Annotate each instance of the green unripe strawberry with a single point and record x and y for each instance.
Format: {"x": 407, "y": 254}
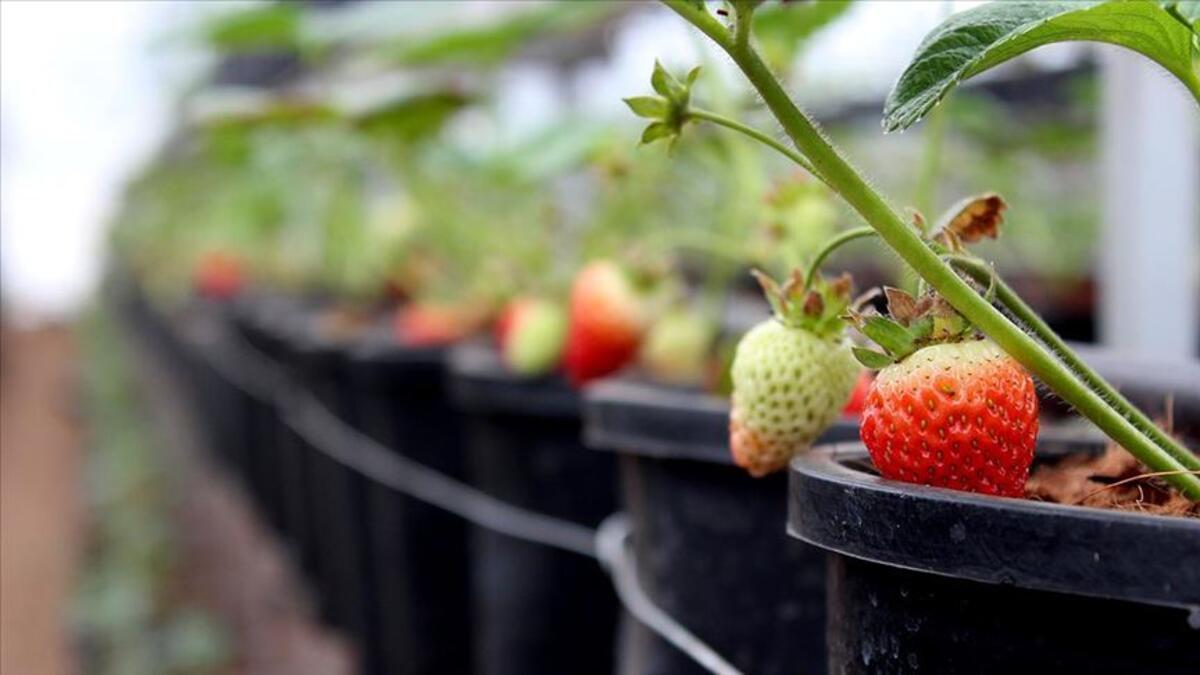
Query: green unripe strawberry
{"x": 533, "y": 339}
{"x": 676, "y": 350}
{"x": 792, "y": 374}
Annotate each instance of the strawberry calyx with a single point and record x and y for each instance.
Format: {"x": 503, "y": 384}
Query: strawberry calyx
{"x": 669, "y": 109}
{"x": 911, "y": 324}
{"x": 819, "y": 308}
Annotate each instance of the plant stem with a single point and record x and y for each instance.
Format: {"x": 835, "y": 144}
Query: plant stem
{"x": 1008, "y": 298}
{"x": 870, "y": 205}
{"x": 761, "y": 137}
{"x": 832, "y": 245}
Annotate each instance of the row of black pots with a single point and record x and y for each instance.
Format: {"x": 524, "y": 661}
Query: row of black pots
{"x": 709, "y": 542}
{"x": 416, "y": 588}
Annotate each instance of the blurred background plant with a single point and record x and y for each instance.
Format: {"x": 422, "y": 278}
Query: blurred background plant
{"x": 133, "y": 613}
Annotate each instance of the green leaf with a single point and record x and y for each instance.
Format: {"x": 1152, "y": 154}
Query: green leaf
{"x": 413, "y": 116}
{"x": 258, "y": 27}
{"x": 894, "y": 338}
{"x": 665, "y": 83}
{"x": 650, "y": 107}
{"x": 872, "y": 359}
{"x": 494, "y": 43}
{"x": 978, "y": 39}
{"x": 654, "y": 132}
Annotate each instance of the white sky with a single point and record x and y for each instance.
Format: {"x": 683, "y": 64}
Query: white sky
{"x": 85, "y": 96}
{"x": 79, "y": 108}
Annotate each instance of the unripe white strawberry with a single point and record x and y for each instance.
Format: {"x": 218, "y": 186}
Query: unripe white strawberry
{"x": 792, "y": 374}
{"x": 677, "y": 347}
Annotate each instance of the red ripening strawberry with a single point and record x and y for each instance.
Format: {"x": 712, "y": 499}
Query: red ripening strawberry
{"x": 503, "y": 324}
{"x": 858, "y": 395}
{"x": 957, "y": 412}
{"x": 431, "y": 324}
{"x": 606, "y": 321}
{"x": 219, "y": 275}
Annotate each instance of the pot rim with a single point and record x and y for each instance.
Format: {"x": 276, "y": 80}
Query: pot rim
{"x": 641, "y": 418}
{"x": 998, "y": 540}
{"x": 479, "y": 382}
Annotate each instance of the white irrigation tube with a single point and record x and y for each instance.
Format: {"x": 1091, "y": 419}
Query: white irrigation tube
{"x": 612, "y": 545}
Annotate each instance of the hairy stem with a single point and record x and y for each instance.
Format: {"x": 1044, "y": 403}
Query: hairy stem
{"x": 832, "y": 245}
{"x": 870, "y": 205}
{"x": 760, "y": 136}
{"x": 1009, "y": 299}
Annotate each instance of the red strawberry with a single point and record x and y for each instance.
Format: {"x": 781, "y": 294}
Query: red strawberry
{"x": 430, "y": 324}
{"x": 858, "y": 397}
{"x": 606, "y": 322}
{"x": 950, "y": 409}
{"x": 503, "y": 323}
{"x": 962, "y": 416}
{"x": 530, "y": 333}
{"x": 219, "y": 275}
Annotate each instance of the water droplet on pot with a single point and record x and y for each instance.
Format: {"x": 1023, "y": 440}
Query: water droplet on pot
{"x": 874, "y": 599}
{"x": 912, "y": 625}
{"x": 1095, "y": 556}
{"x": 912, "y": 661}
{"x": 958, "y": 532}
{"x": 868, "y": 653}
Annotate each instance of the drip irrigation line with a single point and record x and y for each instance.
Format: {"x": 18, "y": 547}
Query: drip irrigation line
{"x": 358, "y": 451}
{"x": 612, "y": 545}
{"x": 257, "y": 375}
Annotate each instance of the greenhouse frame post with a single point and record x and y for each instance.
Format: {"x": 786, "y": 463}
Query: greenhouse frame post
{"x": 1149, "y": 258}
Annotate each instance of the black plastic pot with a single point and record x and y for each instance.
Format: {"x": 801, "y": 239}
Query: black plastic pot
{"x": 709, "y": 540}
{"x": 336, "y": 494}
{"x": 225, "y": 411}
{"x": 418, "y": 579}
{"x": 932, "y": 580}
{"x": 268, "y": 457}
{"x": 539, "y": 610}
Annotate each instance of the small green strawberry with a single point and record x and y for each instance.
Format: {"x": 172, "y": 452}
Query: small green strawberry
{"x": 792, "y": 373}
{"x": 533, "y": 335}
{"x": 678, "y": 346}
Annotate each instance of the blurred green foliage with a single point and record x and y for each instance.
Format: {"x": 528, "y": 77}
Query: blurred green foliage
{"x": 1041, "y": 160}
{"x": 128, "y": 612}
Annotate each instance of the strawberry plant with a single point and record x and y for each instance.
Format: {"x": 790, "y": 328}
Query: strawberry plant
{"x": 965, "y": 45}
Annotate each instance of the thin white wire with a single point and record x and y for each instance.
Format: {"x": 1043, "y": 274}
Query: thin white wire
{"x": 612, "y": 545}
{"x": 253, "y": 373}
{"x": 354, "y": 449}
